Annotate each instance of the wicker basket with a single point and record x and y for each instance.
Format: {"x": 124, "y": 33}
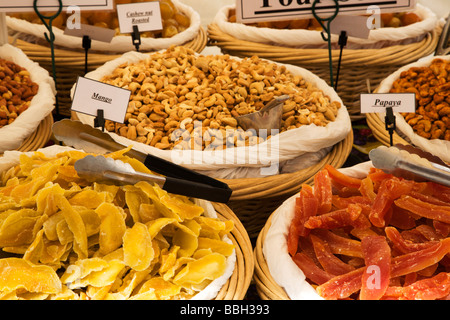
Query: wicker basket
{"x": 236, "y": 287}
{"x": 39, "y": 137}
{"x": 380, "y": 133}
{"x": 254, "y": 199}
{"x": 358, "y": 67}
{"x": 70, "y": 64}
{"x": 266, "y": 286}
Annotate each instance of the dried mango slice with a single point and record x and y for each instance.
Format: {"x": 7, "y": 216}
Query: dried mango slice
{"x": 17, "y": 228}
{"x": 208, "y": 267}
{"x": 180, "y": 205}
{"x": 76, "y": 226}
{"x": 18, "y": 273}
{"x": 148, "y": 212}
{"x": 134, "y": 197}
{"x": 161, "y": 288}
{"x": 106, "y": 276}
{"x": 179, "y": 263}
{"x": 138, "y": 251}
{"x": 45, "y": 199}
{"x": 149, "y": 190}
{"x": 112, "y": 227}
{"x": 9, "y": 185}
{"x": 65, "y": 294}
{"x": 34, "y": 251}
{"x": 131, "y": 281}
{"x": 155, "y": 226}
{"x": 168, "y": 259}
{"x": 186, "y": 237}
{"x": 218, "y": 246}
{"x": 117, "y": 155}
{"x": 82, "y": 268}
{"x": 90, "y": 198}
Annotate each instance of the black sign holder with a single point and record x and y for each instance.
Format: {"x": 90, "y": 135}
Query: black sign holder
{"x": 99, "y": 120}
{"x": 390, "y": 125}
{"x": 86, "y": 46}
{"x": 326, "y": 34}
{"x": 50, "y": 37}
{"x": 343, "y": 37}
{"x": 136, "y": 37}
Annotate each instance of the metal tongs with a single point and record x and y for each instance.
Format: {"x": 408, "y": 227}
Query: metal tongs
{"x": 176, "y": 179}
{"x": 269, "y": 117}
{"x": 411, "y": 163}
{"x": 442, "y": 46}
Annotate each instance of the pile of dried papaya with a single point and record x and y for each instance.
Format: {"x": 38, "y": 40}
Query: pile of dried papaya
{"x": 381, "y": 237}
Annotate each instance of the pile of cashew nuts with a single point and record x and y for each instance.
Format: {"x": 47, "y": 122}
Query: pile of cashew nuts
{"x": 183, "y": 100}
{"x": 431, "y": 86}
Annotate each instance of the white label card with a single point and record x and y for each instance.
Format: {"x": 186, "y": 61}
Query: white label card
{"x": 272, "y": 10}
{"x": 91, "y": 95}
{"x": 93, "y": 32}
{"x": 145, "y": 15}
{"x": 49, "y": 5}
{"x": 355, "y": 26}
{"x": 378, "y": 102}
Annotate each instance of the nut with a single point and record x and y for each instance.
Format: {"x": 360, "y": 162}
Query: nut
{"x": 183, "y": 94}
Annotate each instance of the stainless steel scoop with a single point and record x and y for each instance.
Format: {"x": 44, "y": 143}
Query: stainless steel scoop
{"x": 406, "y": 167}
{"x": 269, "y": 117}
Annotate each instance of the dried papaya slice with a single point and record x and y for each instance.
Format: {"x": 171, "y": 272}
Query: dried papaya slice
{"x": 329, "y": 262}
{"x": 310, "y": 269}
{"x": 424, "y": 209}
{"x": 377, "y": 256}
{"x": 390, "y": 190}
{"x": 342, "y": 179}
{"x": 336, "y": 219}
{"x": 437, "y": 287}
{"x": 323, "y": 191}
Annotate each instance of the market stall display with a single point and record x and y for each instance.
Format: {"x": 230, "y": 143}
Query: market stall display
{"x": 75, "y": 239}
{"x": 184, "y": 108}
{"x": 70, "y": 62}
{"x": 301, "y": 214}
{"x": 365, "y": 62}
{"x": 27, "y": 101}
{"x": 320, "y": 243}
{"x": 428, "y": 127}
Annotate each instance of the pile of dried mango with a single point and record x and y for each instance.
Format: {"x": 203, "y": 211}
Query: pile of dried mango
{"x": 65, "y": 238}
{"x": 381, "y": 237}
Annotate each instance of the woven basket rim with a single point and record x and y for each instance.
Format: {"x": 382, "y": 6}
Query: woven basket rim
{"x": 380, "y": 133}
{"x": 397, "y": 54}
{"x": 266, "y": 286}
{"x": 287, "y": 183}
{"x": 39, "y": 137}
{"x": 236, "y": 287}
{"x": 72, "y": 57}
